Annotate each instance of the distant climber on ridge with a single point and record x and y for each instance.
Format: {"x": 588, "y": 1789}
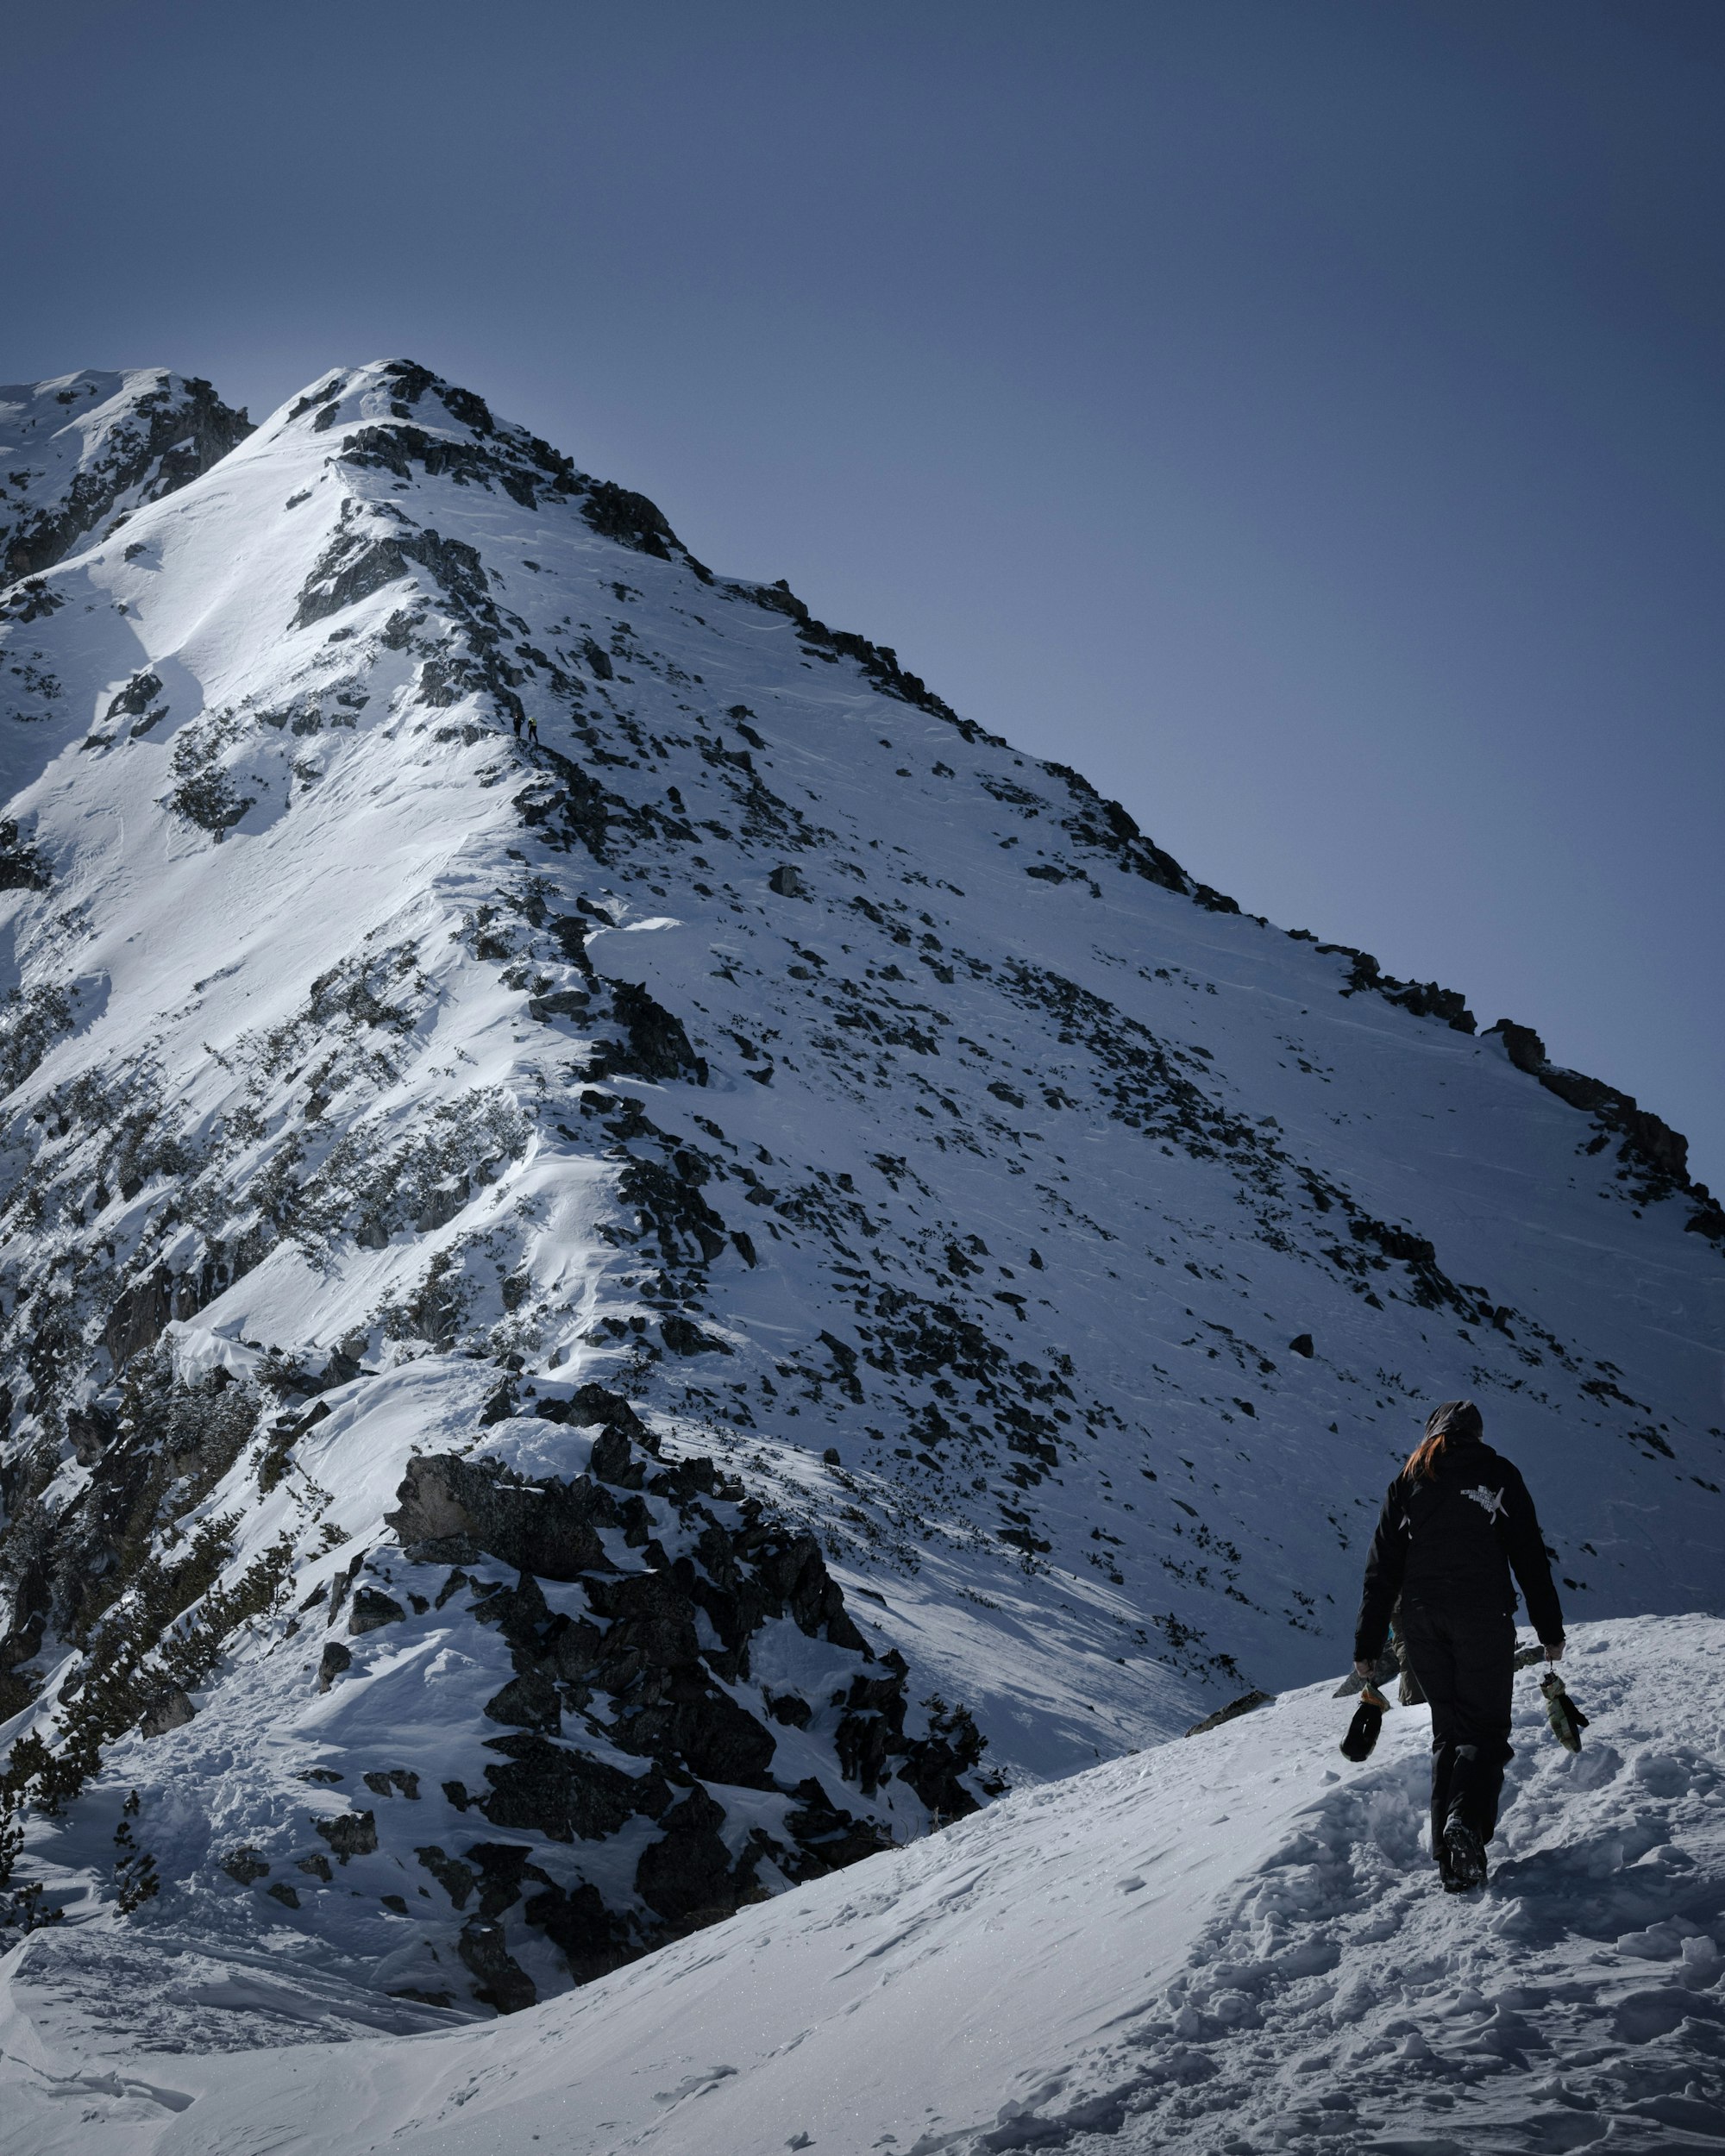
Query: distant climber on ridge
{"x": 1455, "y": 1521}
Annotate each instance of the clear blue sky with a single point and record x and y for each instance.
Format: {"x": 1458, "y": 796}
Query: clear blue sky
{"x": 1304, "y": 417}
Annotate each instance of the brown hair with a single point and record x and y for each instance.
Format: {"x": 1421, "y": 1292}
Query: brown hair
{"x": 1454, "y": 1419}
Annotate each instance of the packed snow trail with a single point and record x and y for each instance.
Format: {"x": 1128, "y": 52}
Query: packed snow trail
{"x": 1234, "y": 1944}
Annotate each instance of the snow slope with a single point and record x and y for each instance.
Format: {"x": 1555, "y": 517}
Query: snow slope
{"x": 1232, "y": 1944}
{"x": 873, "y": 1107}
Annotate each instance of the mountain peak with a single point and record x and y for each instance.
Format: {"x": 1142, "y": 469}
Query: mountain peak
{"x": 395, "y": 416}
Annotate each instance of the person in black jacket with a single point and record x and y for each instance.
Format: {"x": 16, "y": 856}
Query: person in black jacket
{"x": 1456, "y": 1521}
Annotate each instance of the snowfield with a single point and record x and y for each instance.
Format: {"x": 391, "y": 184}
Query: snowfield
{"x": 1234, "y": 1943}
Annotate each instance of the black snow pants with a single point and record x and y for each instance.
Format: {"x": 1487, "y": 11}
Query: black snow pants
{"x": 1465, "y": 1663}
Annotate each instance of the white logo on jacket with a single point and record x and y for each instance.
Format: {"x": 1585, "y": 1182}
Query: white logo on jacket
{"x": 1492, "y": 1500}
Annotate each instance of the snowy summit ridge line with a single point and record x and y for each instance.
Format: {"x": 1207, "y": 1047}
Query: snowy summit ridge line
{"x": 504, "y": 1025}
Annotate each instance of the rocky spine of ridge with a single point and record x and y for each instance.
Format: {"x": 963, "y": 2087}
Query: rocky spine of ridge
{"x": 75, "y": 450}
{"x": 1654, "y": 1158}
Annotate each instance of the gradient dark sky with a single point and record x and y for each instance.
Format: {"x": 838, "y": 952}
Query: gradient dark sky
{"x": 1305, "y": 417}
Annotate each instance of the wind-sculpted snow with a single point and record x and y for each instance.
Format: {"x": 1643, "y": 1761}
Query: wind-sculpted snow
{"x": 1223, "y": 1947}
{"x": 459, "y": 952}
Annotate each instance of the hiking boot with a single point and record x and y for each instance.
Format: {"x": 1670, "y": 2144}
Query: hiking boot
{"x": 1463, "y": 1859}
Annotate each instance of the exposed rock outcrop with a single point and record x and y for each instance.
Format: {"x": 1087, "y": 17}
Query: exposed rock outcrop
{"x": 1654, "y": 1157}
{"x": 644, "y": 1700}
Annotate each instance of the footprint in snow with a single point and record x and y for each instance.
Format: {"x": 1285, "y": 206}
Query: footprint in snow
{"x": 695, "y": 2085}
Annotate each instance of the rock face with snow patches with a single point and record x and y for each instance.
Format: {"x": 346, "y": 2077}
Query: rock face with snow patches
{"x": 545, "y": 1083}
{"x": 81, "y": 454}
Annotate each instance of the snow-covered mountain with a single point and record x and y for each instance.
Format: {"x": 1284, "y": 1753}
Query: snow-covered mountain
{"x": 615, "y": 1219}
{"x": 1221, "y": 1948}
{"x": 80, "y": 454}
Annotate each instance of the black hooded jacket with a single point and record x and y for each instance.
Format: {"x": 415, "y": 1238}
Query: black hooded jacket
{"x": 1449, "y": 1542}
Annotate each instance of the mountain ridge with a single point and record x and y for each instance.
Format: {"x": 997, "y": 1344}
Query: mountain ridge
{"x": 464, "y": 953}
{"x": 147, "y": 468}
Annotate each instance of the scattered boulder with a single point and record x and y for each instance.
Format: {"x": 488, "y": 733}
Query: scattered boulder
{"x": 336, "y": 1660}
{"x": 687, "y": 1877}
{"x": 350, "y": 1833}
{"x": 171, "y": 1708}
{"x": 451, "y": 1511}
{"x": 500, "y": 1981}
{"x": 372, "y": 1610}
{"x": 394, "y": 1782}
{"x": 1243, "y": 1705}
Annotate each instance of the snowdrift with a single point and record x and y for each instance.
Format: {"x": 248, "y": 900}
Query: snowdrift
{"x": 1234, "y": 1943}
